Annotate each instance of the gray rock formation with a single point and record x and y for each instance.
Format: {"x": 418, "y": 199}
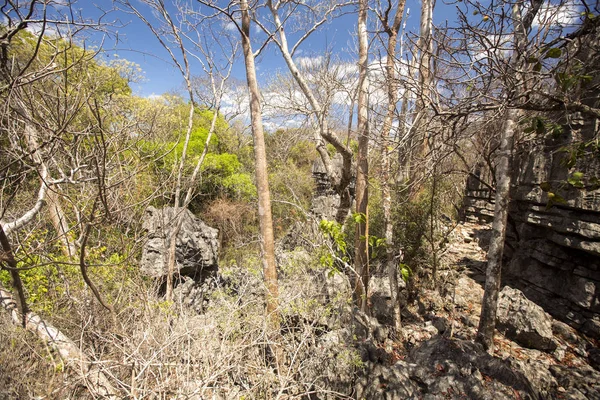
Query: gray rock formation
{"x": 524, "y": 321}
{"x": 553, "y": 240}
{"x": 478, "y": 200}
{"x": 381, "y": 299}
{"x": 194, "y": 295}
{"x": 326, "y": 202}
{"x": 196, "y": 250}
{"x": 555, "y": 245}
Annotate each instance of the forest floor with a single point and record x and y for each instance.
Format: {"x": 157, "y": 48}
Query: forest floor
{"x": 338, "y": 353}
{"x": 565, "y": 373}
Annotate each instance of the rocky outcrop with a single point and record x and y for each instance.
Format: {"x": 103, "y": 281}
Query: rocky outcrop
{"x": 552, "y": 250}
{"x": 523, "y": 321}
{"x": 554, "y": 239}
{"x": 478, "y": 199}
{"x": 326, "y": 203}
{"x": 194, "y": 295}
{"x": 554, "y": 243}
{"x": 196, "y": 249}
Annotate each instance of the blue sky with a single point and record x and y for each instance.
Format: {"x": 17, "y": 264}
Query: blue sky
{"x": 136, "y": 43}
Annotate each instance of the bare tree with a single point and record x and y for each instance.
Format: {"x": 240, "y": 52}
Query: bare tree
{"x": 487, "y": 321}
{"x": 230, "y": 13}
{"x": 262, "y": 183}
{"x": 361, "y": 255}
{"x": 392, "y": 29}
{"x": 283, "y": 12}
{"x": 214, "y": 72}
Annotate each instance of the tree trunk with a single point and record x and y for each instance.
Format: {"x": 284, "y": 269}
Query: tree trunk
{"x": 386, "y": 144}
{"x": 361, "y": 255}
{"x": 59, "y": 221}
{"x": 425, "y": 46}
{"x": 264, "y": 197}
{"x": 487, "y": 320}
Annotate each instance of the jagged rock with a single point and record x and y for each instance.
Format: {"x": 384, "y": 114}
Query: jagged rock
{"x": 451, "y": 368}
{"x": 554, "y": 247}
{"x": 326, "y": 202}
{"x": 196, "y": 251}
{"x": 524, "y": 321}
{"x": 441, "y": 324}
{"x": 387, "y": 382}
{"x": 594, "y": 358}
{"x": 381, "y": 298}
{"x": 194, "y": 295}
{"x": 578, "y": 382}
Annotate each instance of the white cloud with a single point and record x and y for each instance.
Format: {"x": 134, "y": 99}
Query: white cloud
{"x": 36, "y": 29}
{"x": 564, "y": 14}
{"x": 230, "y": 26}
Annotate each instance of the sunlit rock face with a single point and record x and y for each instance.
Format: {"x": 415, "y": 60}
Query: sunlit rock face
{"x": 197, "y": 246}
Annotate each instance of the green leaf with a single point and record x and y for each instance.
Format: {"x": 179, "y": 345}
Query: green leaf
{"x": 537, "y": 67}
{"x": 557, "y": 130}
{"x": 359, "y": 218}
{"x": 529, "y": 129}
{"x": 405, "y": 272}
{"x": 575, "y": 179}
{"x": 553, "y": 53}
{"x": 558, "y": 199}
{"x": 577, "y": 175}
{"x": 540, "y": 127}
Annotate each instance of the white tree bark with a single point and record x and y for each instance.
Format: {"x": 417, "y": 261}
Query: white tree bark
{"x": 361, "y": 254}
{"x": 386, "y": 144}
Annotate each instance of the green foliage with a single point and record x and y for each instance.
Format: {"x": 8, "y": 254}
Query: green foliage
{"x": 222, "y": 173}
{"x": 571, "y": 78}
{"x": 240, "y": 186}
{"x": 575, "y": 180}
{"x": 411, "y": 218}
{"x": 376, "y": 244}
{"x": 52, "y": 280}
{"x": 290, "y": 157}
{"x": 553, "y": 52}
{"x": 405, "y": 272}
{"x": 334, "y": 231}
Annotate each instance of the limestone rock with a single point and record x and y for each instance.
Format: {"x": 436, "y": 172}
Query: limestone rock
{"x": 194, "y": 295}
{"x": 524, "y": 321}
{"x": 197, "y": 247}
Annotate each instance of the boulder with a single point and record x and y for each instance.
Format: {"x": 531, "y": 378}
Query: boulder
{"x": 196, "y": 251}
{"x": 523, "y": 321}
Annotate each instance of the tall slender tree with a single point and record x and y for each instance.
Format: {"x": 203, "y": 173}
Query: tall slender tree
{"x": 361, "y": 254}
{"x": 260, "y": 156}
{"x": 487, "y": 321}
{"x": 392, "y": 30}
